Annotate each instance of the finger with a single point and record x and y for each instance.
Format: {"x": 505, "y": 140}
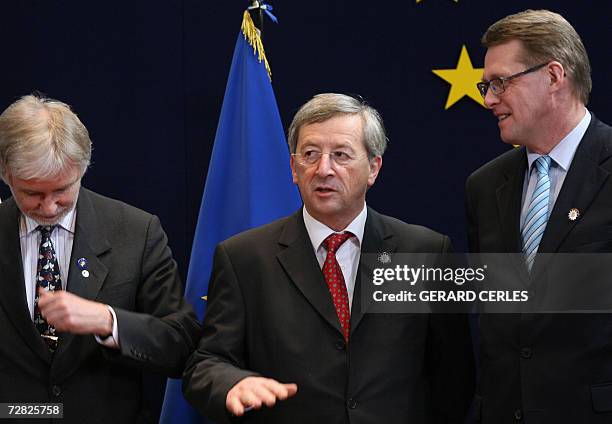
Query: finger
{"x": 234, "y": 406}
{"x": 265, "y": 395}
{"x": 280, "y": 391}
{"x": 43, "y": 296}
{"x": 48, "y": 302}
{"x": 53, "y": 317}
{"x": 47, "y": 298}
{"x": 291, "y": 389}
{"x": 250, "y": 399}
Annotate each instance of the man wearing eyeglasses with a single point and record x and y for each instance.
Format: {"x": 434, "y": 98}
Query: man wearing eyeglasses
{"x": 552, "y": 194}
{"x": 286, "y": 339}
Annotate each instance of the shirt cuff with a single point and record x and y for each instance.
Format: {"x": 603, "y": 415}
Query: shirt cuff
{"x": 112, "y": 340}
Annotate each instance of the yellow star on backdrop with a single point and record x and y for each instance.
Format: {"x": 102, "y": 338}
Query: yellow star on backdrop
{"x": 463, "y": 80}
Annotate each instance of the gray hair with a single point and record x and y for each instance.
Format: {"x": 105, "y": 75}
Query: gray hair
{"x": 328, "y": 105}
{"x": 546, "y": 36}
{"x": 40, "y": 138}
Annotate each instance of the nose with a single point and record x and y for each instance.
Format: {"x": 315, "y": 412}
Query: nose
{"x": 490, "y": 99}
{"x": 325, "y": 165}
{"x": 48, "y": 206}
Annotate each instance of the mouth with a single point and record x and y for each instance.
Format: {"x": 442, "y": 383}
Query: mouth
{"x": 503, "y": 116}
{"x": 324, "y": 190}
{"x": 49, "y": 220}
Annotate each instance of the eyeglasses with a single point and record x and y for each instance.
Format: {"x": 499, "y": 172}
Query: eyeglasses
{"x": 498, "y": 85}
{"x": 312, "y": 157}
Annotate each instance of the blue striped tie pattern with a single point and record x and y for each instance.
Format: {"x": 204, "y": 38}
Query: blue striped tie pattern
{"x": 537, "y": 213}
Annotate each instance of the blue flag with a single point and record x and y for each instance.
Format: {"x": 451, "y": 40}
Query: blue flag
{"x": 248, "y": 183}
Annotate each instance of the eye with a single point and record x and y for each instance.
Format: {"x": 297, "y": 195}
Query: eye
{"x": 496, "y": 85}
{"x": 310, "y": 153}
{"x": 341, "y": 157}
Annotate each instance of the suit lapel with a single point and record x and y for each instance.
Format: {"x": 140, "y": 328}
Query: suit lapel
{"x": 300, "y": 263}
{"x": 509, "y": 195}
{"x": 90, "y": 242}
{"x": 13, "y": 297}
{"x": 376, "y": 239}
{"x": 582, "y": 183}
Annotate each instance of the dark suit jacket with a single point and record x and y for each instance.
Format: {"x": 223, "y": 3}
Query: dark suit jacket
{"x": 270, "y": 314}
{"x": 131, "y": 269}
{"x": 545, "y": 368}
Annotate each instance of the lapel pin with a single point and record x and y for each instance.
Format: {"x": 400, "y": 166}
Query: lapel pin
{"x": 573, "y": 214}
{"x": 82, "y": 263}
{"x": 384, "y": 258}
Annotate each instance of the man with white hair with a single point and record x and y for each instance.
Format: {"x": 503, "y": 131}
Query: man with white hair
{"x": 90, "y": 293}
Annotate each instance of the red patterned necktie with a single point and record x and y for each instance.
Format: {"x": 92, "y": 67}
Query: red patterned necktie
{"x": 335, "y": 280}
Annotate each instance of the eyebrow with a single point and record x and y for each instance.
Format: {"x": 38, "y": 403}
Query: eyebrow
{"x": 28, "y": 191}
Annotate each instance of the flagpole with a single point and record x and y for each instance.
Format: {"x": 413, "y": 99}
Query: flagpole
{"x": 258, "y": 17}
{"x": 261, "y": 23}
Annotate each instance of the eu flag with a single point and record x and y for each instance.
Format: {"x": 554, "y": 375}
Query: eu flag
{"x": 248, "y": 183}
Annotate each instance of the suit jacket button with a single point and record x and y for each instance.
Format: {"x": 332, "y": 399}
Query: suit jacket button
{"x": 526, "y": 352}
{"x": 351, "y": 403}
{"x": 518, "y": 415}
{"x": 56, "y": 390}
{"x": 340, "y": 345}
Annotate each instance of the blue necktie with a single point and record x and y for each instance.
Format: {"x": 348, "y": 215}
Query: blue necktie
{"x": 537, "y": 213}
{"x": 47, "y": 277}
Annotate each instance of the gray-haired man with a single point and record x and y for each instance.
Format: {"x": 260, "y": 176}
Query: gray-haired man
{"x": 285, "y": 319}
{"x": 90, "y": 292}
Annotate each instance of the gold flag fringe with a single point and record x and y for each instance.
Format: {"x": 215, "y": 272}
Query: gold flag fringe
{"x": 251, "y": 34}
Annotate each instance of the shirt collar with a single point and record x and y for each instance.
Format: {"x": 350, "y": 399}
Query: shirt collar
{"x": 318, "y": 232}
{"x": 67, "y": 222}
{"x": 563, "y": 153}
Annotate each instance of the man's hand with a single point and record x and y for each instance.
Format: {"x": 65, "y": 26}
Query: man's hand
{"x": 253, "y": 392}
{"x": 72, "y": 314}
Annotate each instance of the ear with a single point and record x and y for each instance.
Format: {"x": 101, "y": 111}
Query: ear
{"x": 375, "y": 165}
{"x": 556, "y": 74}
{"x": 293, "y": 171}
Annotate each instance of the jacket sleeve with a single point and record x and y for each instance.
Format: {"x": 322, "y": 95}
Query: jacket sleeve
{"x": 161, "y": 331}
{"x": 450, "y": 362}
{"x": 220, "y": 359}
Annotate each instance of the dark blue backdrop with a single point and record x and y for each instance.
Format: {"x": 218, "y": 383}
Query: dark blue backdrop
{"x": 147, "y": 79}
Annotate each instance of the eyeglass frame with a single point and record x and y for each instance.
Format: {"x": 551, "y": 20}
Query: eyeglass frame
{"x": 301, "y": 155}
{"x": 483, "y": 86}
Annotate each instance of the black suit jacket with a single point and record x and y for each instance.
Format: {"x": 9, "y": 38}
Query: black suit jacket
{"x": 545, "y": 368}
{"x": 131, "y": 269}
{"x": 270, "y": 314}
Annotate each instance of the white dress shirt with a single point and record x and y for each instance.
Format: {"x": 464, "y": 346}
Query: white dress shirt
{"x": 62, "y": 238}
{"x": 561, "y": 159}
{"x": 349, "y": 252}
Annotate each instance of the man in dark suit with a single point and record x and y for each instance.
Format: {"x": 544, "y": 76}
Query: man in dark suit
{"x": 90, "y": 293}
{"x": 286, "y": 332}
{"x": 553, "y": 194}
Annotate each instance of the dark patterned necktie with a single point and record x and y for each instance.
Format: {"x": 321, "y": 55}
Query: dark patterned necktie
{"x": 335, "y": 280}
{"x": 48, "y": 278}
